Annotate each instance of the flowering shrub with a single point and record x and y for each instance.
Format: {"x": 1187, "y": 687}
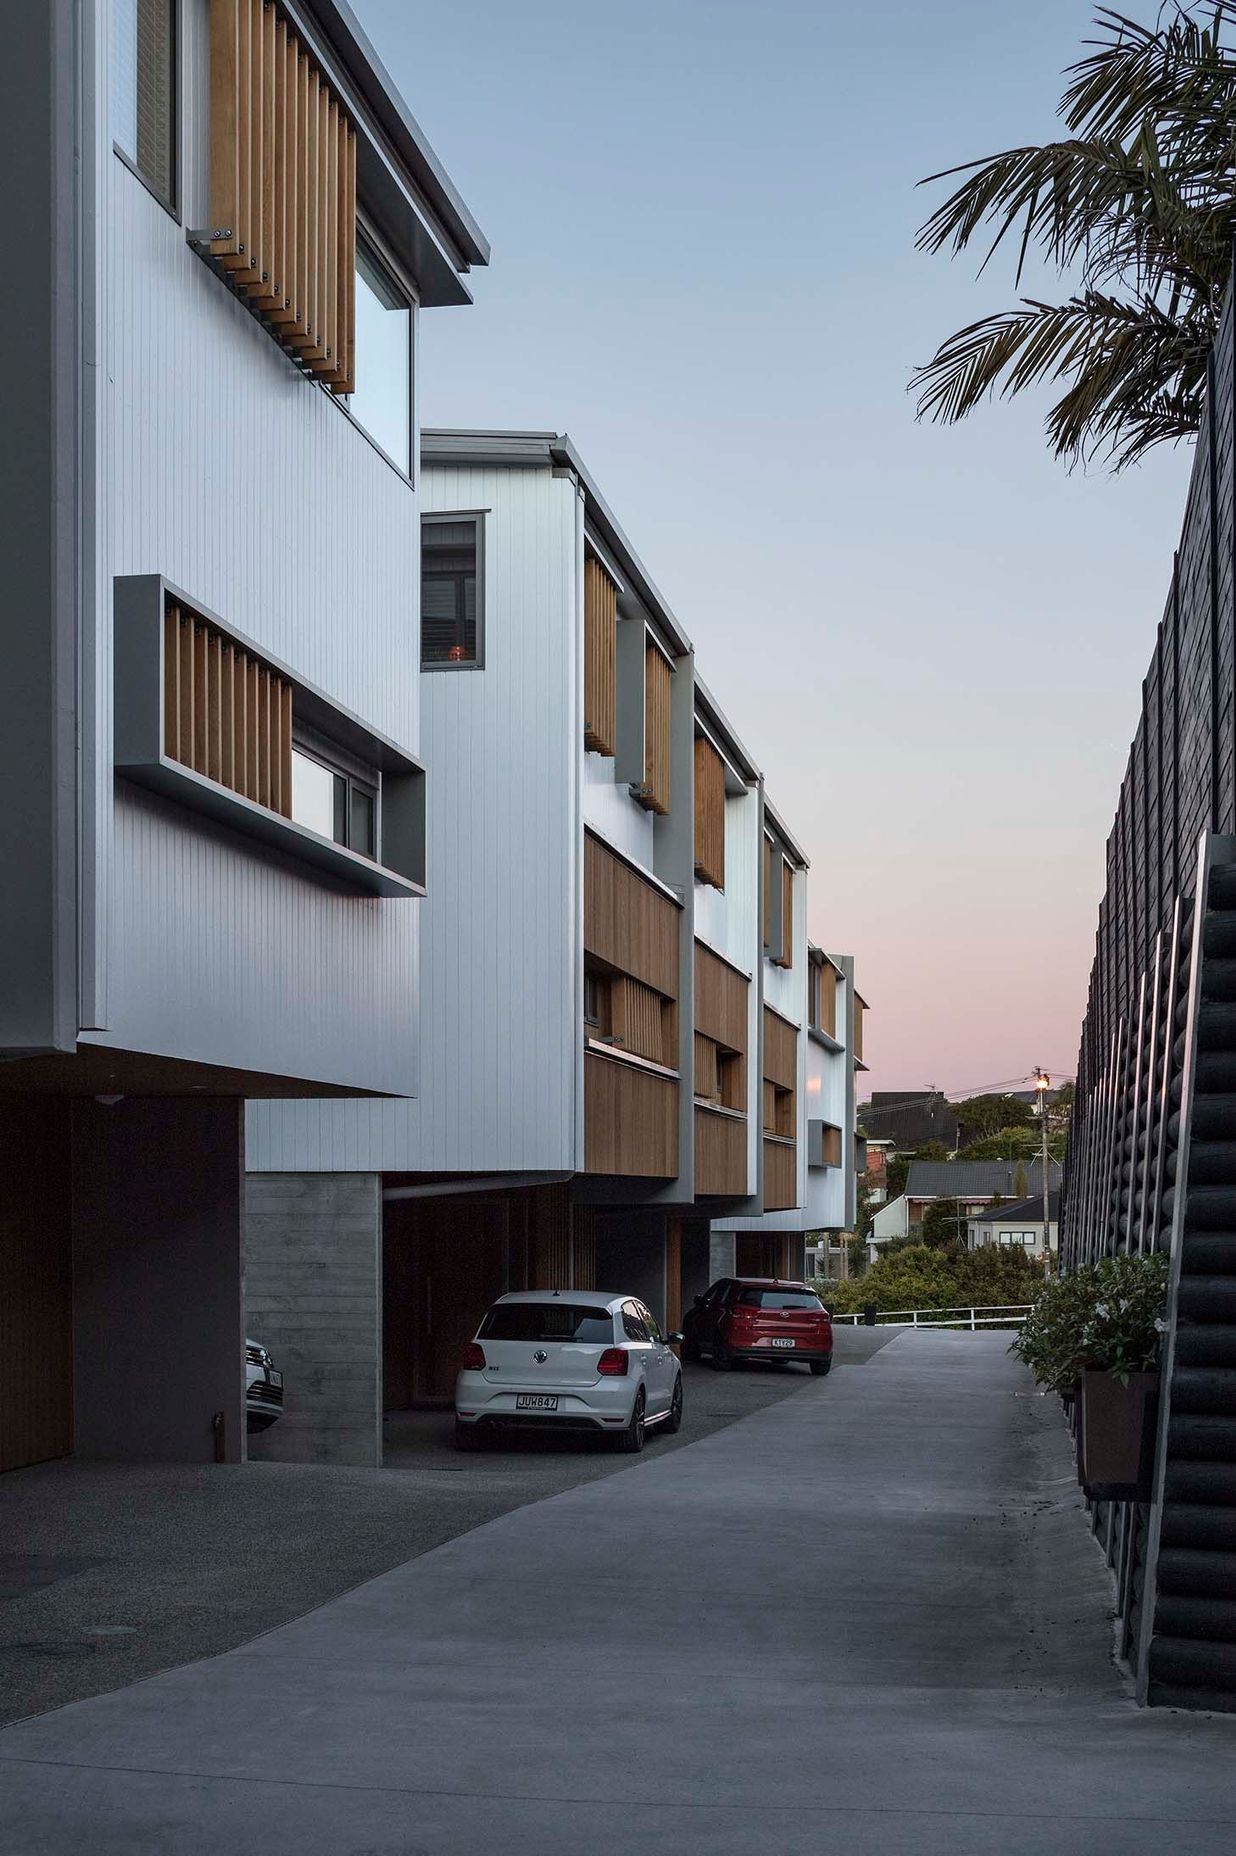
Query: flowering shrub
{"x": 1106, "y": 1316}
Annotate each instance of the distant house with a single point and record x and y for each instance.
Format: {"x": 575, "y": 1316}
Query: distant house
{"x": 975, "y": 1184}
{"x": 908, "y": 1118}
{"x": 1018, "y": 1224}
{"x": 875, "y": 1174}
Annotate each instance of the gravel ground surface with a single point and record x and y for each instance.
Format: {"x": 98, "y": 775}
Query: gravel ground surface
{"x": 112, "y": 1571}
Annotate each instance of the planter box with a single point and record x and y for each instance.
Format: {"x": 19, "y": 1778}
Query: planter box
{"x": 1116, "y": 1436}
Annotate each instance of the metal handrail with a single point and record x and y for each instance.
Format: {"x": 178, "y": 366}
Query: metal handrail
{"x": 981, "y": 1315}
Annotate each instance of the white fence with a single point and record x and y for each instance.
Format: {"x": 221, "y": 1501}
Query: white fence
{"x": 995, "y": 1316}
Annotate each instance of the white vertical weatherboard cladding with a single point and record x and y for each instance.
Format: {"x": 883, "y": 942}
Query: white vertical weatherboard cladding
{"x": 499, "y": 1025}
{"x": 608, "y": 805}
{"x": 228, "y": 472}
{"x": 729, "y": 921}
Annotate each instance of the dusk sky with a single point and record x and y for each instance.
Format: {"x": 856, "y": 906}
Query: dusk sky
{"x": 702, "y": 219}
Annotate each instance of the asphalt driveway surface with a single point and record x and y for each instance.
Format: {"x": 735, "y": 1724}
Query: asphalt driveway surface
{"x": 113, "y": 1571}
{"x": 868, "y": 1616}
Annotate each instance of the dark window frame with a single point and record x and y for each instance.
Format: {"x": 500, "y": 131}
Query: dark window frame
{"x": 441, "y": 517}
{"x": 368, "y": 240}
{"x": 356, "y": 779}
{"x": 171, "y": 201}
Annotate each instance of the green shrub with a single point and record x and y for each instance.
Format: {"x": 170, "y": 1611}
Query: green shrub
{"x": 1105, "y": 1316}
{"x": 925, "y": 1276}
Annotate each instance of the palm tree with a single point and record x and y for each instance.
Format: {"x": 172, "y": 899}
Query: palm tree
{"x": 1138, "y": 205}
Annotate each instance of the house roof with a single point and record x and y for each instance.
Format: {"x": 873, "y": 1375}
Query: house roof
{"x": 908, "y": 1117}
{"x": 1022, "y": 1211}
{"x": 371, "y": 77}
{"x": 973, "y": 1179}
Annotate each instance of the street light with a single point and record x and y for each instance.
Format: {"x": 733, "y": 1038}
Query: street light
{"x": 1042, "y": 1083}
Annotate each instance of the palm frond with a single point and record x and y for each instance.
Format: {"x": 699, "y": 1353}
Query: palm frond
{"x": 1137, "y": 206}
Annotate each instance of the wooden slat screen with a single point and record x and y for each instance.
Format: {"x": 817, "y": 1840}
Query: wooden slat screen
{"x": 720, "y": 999}
{"x": 720, "y": 1152}
{"x": 859, "y": 1010}
{"x": 780, "y": 1049}
{"x": 600, "y": 658}
{"x": 630, "y": 1119}
{"x": 628, "y": 923}
{"x": 828, "y": 1001}
{"x": 709, "y": 814}
{"x": 283, "y": 183}
{"x": 639, "y": 1018}
{"x": 657, "y": 674}
{"x": 780, "y": 1176}
{"x": 784, "y": 954}
{"x": 225, "y": 713}
{"x": 832, "y": 1147}
{"x": 768, "y": 895}
{"x": 707, "y": 1085}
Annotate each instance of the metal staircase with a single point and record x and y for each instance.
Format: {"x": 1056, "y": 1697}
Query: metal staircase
{"x": 1184, "y": 1556}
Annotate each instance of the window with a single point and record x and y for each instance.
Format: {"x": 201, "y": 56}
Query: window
{"x": 450, "y": 575}
{"x": 596, "y": 1000}
{"x": 778, "y": 1298}
{"x": 143, "y": 90}
{"x": 560, "y": 1321}
{"x": 333, "y": 802}
{"x": 381, "y": 398}
{"x": 1017, "y": 1237}
{"x": 633, "y": 1323}
{"x": 650, "y": 1322}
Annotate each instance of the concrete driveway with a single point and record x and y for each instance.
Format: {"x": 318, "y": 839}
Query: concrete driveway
{"x": 869, "y": 1616}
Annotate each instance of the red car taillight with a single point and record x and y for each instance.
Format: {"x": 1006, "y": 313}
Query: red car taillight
{"x": 474, "y": 1357}
{"x": 614, "y": 1362}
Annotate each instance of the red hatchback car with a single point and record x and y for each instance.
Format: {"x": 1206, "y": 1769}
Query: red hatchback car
{"x": 758, "y": 1318}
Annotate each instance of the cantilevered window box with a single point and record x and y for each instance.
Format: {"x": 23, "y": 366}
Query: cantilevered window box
{"x": 206, "y": 719}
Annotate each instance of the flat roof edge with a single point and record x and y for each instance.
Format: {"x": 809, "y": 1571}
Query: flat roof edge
{"x": 376, "y": 85}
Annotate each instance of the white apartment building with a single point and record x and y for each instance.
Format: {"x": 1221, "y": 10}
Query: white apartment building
{"x": 618, "y": 1055}
{"x": 213, "y": 839}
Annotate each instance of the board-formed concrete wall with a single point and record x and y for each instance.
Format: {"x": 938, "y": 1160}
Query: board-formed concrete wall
{"x": 313, "y": 1297}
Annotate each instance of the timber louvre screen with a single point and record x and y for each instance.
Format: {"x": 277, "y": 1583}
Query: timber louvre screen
{"x": 600, "y": 657}
{"x": 225, "y": 714}
{"x": 283, "y": 188}
{"x": 655, "y": 793}
{"x": 709, "y": 814}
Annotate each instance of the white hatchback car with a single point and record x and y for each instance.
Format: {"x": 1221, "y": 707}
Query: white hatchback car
{"x": 569, "y": 1359}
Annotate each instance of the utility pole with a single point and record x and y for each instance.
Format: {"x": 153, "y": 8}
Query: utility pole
{"x": 1042, "y": 1082}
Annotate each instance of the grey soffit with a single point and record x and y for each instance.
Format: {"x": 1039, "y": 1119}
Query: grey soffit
{"x": 822, "y": 1038}
{"x": 138, "y": 607}
{"x": 347, "y": 46}
{"x": 790, "y": 845}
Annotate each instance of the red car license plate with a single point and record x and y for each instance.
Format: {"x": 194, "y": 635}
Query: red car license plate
{"x": 783, "y": 1343}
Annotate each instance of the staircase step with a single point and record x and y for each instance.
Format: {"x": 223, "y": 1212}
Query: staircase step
{"x": 1215, "y": 1073}
{"x": 1190, "y": 1525}
{"x": 1212, "y": 1484}
{"x": 1216, "y": 1026}
{"x": 1210, "y": 1163}
{"x": 1221, "y": 889}
{"x": 1210, "y": 1620}
{"x": 1205, "y": 1343}
{"x": 1196, "y": 1700}
{"x": 1208, "y": 1253}
{"x": 1218, "y": 978}
{"x": 1207, "y": 1298}
{"x": 1219, "y": 935}
{"x": 1214, "y": 1119}
{"x": 1201, "y": 1390}
{"x": 1191, "y": 1572}
{"x": 1183, "y": 1663}
{"x": 1201, "y": 1437}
